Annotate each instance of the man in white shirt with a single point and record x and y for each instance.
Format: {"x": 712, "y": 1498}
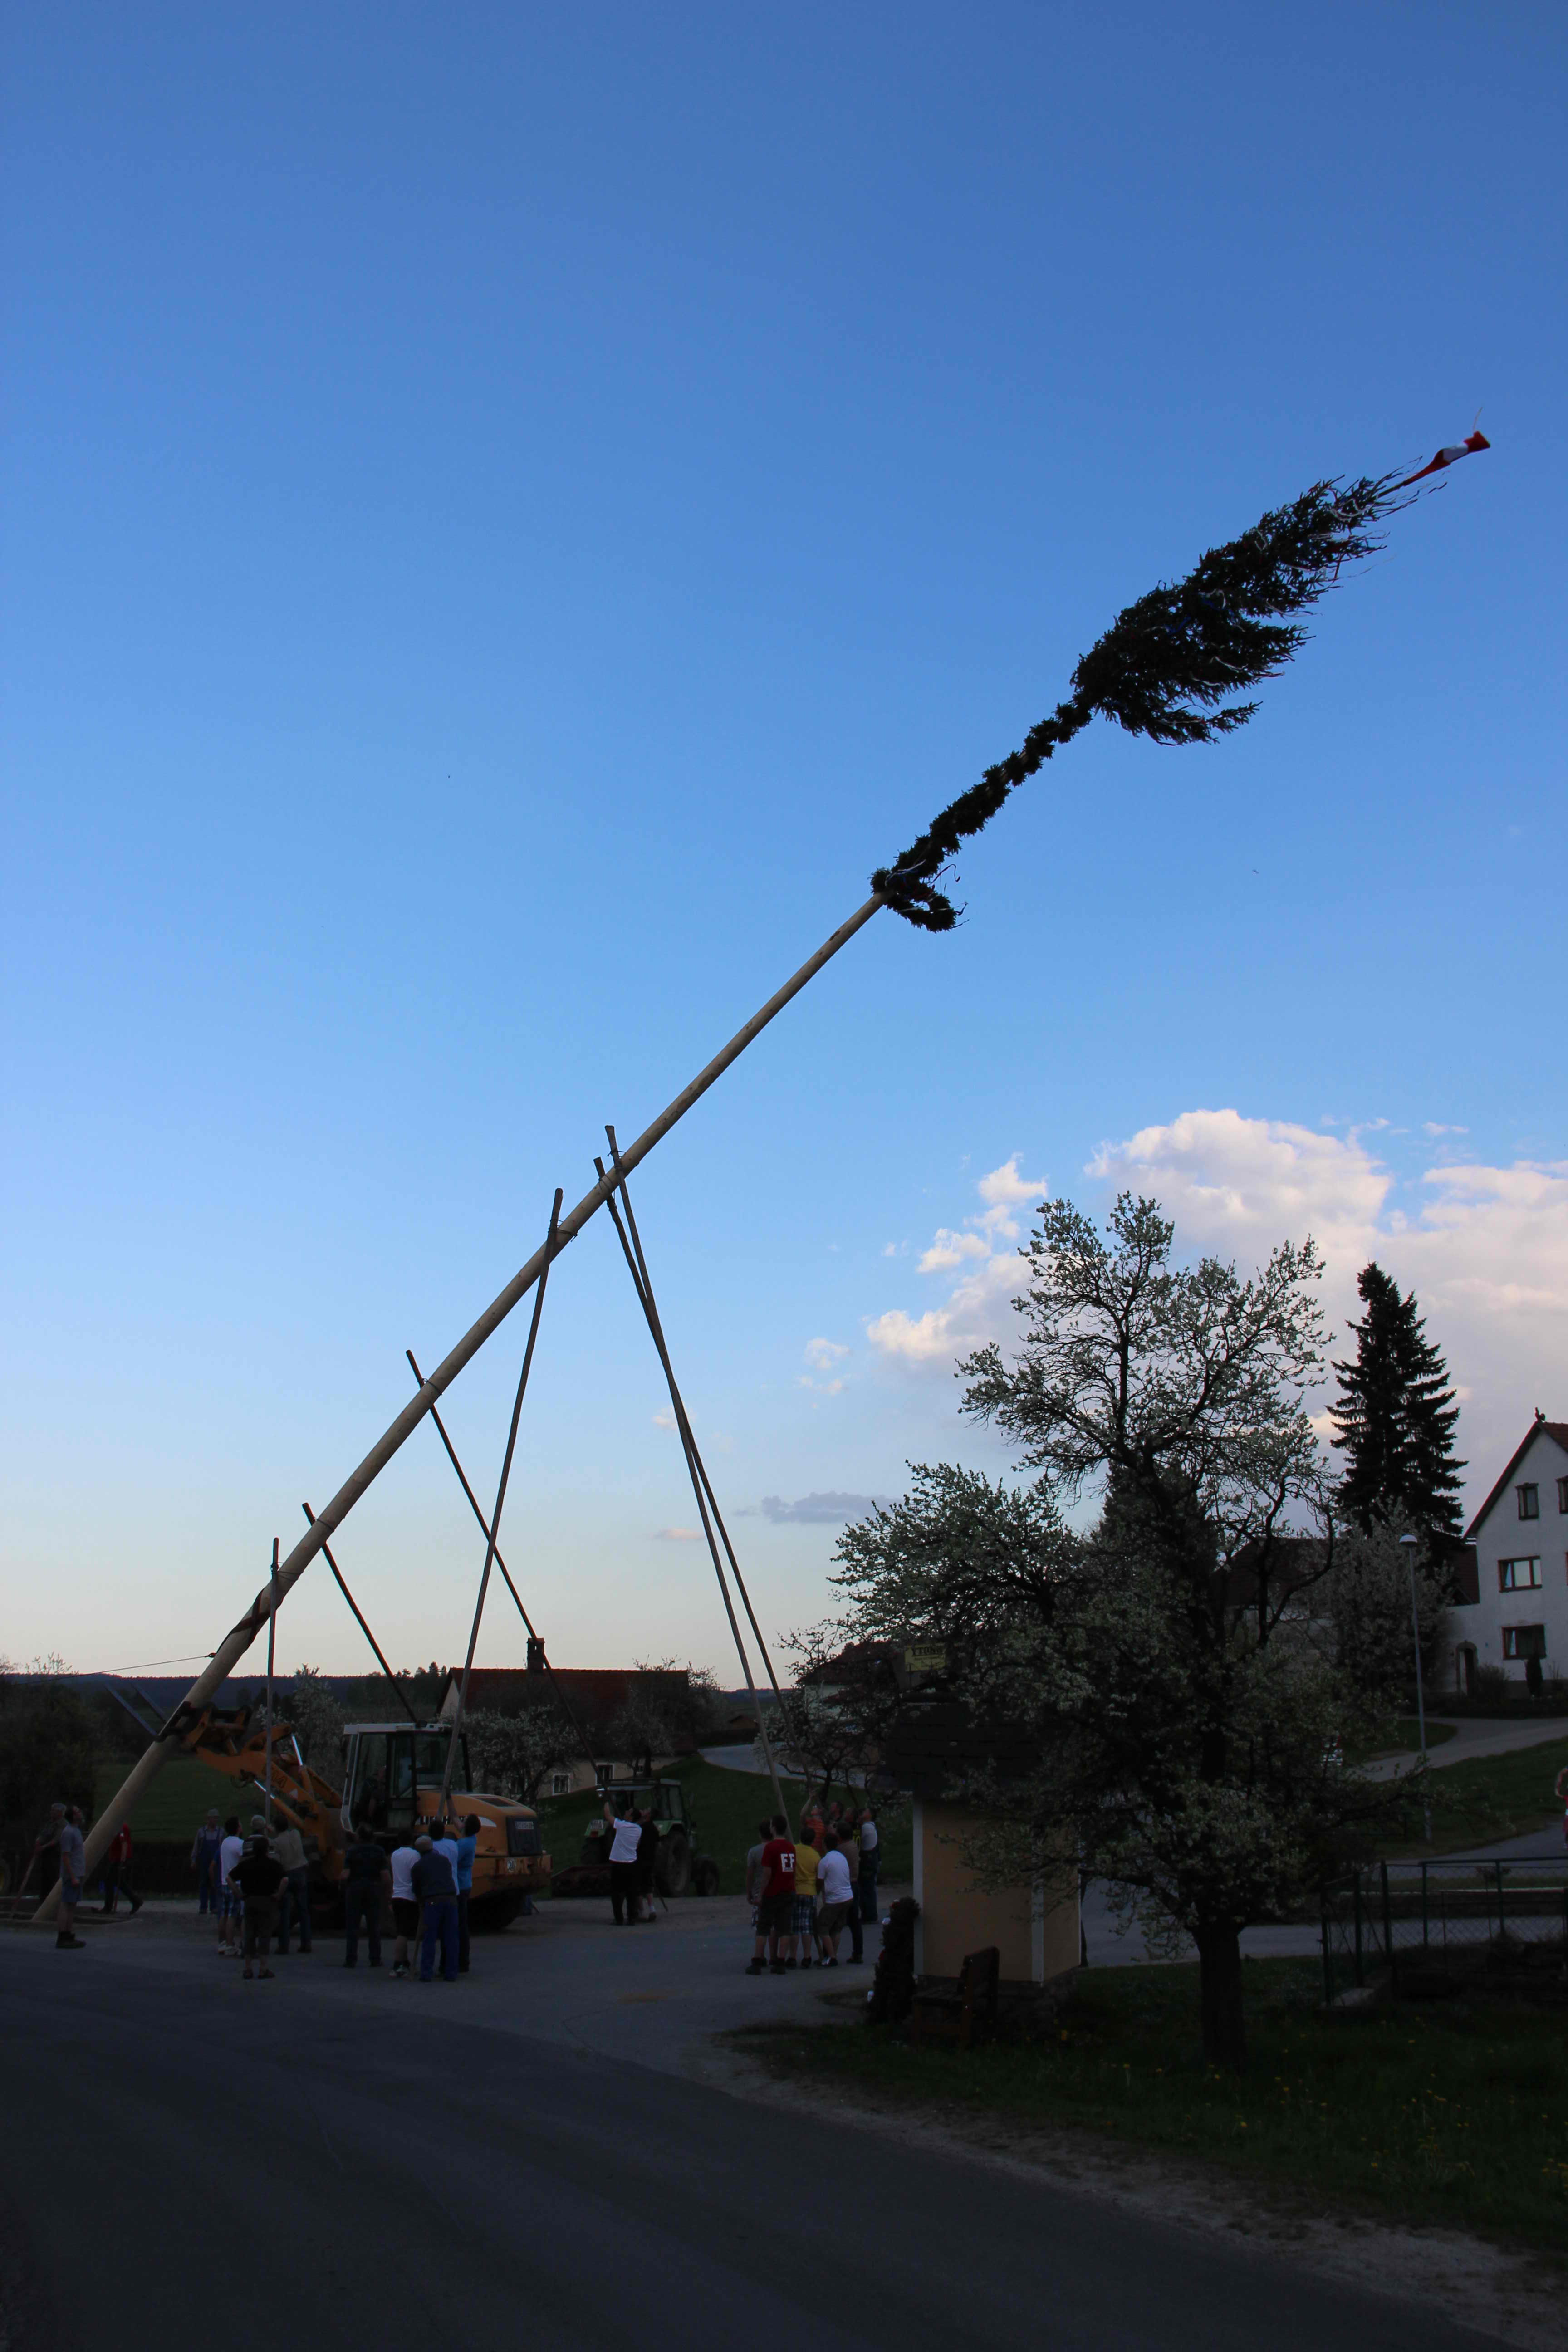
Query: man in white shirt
{"x": 231, "y": 1902}
{"x": 626, "y": 1836}
{"x": 405, "y": 1904}
{"x": 73, "y": 1871}
{"x": 836, "y": 1889}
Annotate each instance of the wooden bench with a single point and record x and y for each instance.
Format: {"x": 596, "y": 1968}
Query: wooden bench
{"x": 954, "y": 2016}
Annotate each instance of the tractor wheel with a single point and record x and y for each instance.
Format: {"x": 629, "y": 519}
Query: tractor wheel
{"x": 705, "y": 1878}
{"x": 673, "y": 1872}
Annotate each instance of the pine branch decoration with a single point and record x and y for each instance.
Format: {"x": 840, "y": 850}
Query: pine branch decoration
{"x": 1168, "y": 664}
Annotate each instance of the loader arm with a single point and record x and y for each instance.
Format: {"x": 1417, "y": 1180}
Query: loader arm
{"x": 233, "y": 1740}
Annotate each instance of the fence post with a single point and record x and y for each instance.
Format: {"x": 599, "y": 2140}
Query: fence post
{"x": 1328, "y": 1964}
{"x": 1387, "y": 1931}
{"x": 1355, "y": 1883}
{"x": 1501, "y": 1927}
{"x": 1426, "y": 1937}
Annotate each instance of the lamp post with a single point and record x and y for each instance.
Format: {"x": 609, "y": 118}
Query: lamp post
{"x": 1408, "y": 1546}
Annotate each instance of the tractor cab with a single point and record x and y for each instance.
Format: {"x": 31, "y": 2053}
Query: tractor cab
{"x": 387, "y": 1765}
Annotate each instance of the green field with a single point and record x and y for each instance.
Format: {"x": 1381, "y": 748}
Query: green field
{"x": 728, "y": 1806}
{"x": 1442, "y": 2113}
{"x": 175, "y": 1805}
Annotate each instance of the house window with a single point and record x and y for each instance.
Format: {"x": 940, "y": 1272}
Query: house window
{"x": 560, "y": 1784}
{"x": 1529, "y": 1502}
{"x": 1519, "y": 1575}
{"x": 1524, "y": 1641}
{"x": 1562, "y": 1494}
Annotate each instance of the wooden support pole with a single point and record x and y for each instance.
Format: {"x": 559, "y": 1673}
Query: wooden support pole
{"x": 362, "y": 1622}
{"x": 637, "y": 1266}
{"x": 701, "y": 1466}
{"x": 567, "y": 1709}
{"x": 494, "y": 1528}
{"x": 271, "y": 1659}
{"x": 240, "y": 1636}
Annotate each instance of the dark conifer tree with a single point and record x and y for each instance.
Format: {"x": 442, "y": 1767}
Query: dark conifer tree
{"x": 1394, "y": 1418}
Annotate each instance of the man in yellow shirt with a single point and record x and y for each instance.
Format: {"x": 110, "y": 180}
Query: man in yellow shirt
{"x": 807, "y": 1861}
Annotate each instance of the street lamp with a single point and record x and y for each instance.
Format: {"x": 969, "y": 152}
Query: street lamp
{"x": 1408, "y": 1546}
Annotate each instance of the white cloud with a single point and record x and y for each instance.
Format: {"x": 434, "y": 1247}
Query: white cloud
{"x": 664, "y": 1418}
{"x": 822, "y": 1388}
{"x": 1004, "y": 1187}
{"x": 679, "y": 1535}
{"x": 976, "y": 1309}
{"x": 823, "y": 1354}
{"x": 1484, "y": 1248}
{"x": 949, "y": 1249}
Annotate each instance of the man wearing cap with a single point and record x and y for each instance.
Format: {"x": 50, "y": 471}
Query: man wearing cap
{"x": 436, "y": 1891}
{"x": 258, "y": 1875}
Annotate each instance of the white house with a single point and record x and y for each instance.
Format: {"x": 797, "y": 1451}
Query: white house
{"x": 1520, "y": 1610}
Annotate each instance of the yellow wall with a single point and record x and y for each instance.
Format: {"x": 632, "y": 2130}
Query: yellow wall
{"x": 957, "y": 1916}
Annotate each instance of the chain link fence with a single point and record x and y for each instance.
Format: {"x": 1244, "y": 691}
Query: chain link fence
{"x": 1430, "y": 1927}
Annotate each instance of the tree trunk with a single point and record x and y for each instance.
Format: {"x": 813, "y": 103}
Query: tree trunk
{"x": 1219, "y": 1996}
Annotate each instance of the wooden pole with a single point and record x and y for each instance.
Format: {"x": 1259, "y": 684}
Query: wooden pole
{"x": 271, "y": 1655}
{"x": 694, "y": 1466}
{"x": 363, "y": 1622}
{"x": 701, "y": 1465}
{"x": 240, "y": 1636}
{"x": 567, "y": 1709}
{"x": 494, "y": 1528}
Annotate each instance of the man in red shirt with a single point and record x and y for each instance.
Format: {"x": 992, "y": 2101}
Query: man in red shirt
{"x": 775, "y": 1912}
{"x": 116, "y": 1873}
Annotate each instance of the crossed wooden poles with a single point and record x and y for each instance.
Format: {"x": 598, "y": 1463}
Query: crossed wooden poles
{"x": 322, "y": 1526}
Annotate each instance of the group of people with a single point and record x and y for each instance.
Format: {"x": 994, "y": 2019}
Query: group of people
{"x": 806, "y": 1891}
{"x": 258, "y": 1886}
{"x": 634, "y": 1853}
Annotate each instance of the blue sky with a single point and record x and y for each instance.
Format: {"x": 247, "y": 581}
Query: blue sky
{"x": 511, "y": 515}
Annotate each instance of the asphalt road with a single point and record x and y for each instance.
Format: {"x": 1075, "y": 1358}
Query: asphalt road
{"x": 335, "y": 2158}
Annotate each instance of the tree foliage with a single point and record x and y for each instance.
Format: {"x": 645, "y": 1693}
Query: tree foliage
{"x": 1173, "y": 1673}
{"x": 512, "y": 1755}
{"x": 831, "y": 1721}
{"x": 314, "y": 1714}
{"x": 49, "y": 1744}
{"x": 1394, "y": 1418}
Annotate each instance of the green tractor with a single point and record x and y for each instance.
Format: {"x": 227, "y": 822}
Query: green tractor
{"x": 680, "y": 1869}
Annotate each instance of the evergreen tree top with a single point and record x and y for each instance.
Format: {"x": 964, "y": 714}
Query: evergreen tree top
{"x": 1395, "y": 1417}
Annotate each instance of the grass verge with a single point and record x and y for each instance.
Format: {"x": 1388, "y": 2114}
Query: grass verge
{"x": 1441, "y": 2115}
{"x": 175, "y": 1804}
{"x": 1495, "y": 1797}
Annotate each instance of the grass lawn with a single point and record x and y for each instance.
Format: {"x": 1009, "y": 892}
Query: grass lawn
{"x": 1494, "y": 1798}
{"x": 1437, "y": 2114}
{"x": 176, "y": 1803}
{"x": 728, "y": 1806}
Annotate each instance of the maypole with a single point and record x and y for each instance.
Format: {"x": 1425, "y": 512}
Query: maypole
{"x": 1165, "y": 669}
